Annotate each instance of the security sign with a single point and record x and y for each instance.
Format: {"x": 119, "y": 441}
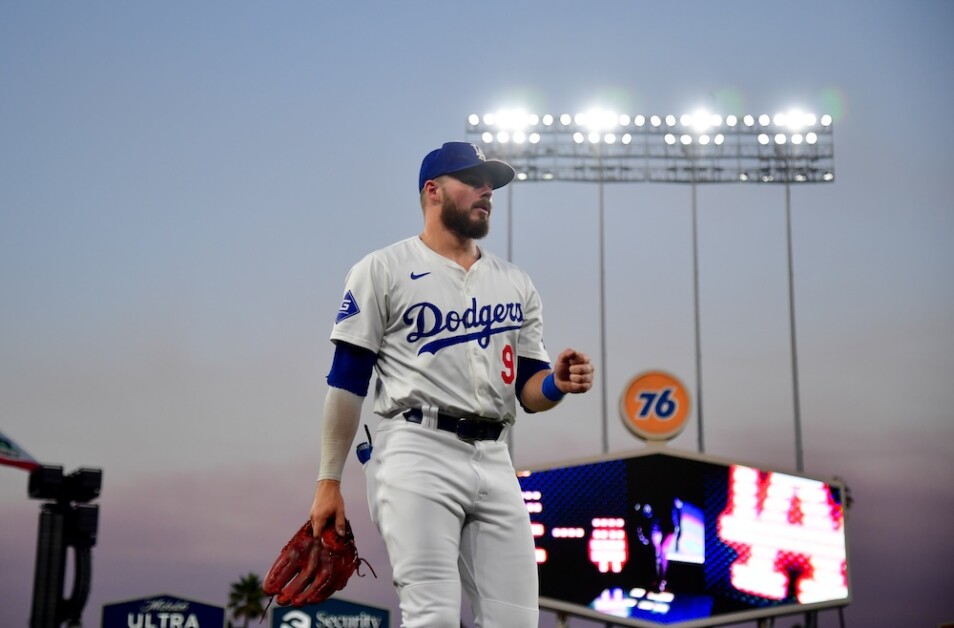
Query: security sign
{"x": 654, "y": 406}
{"x": 332, "y": 613}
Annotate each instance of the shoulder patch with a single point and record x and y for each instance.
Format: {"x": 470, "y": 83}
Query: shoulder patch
{"x": 349, "y": 307}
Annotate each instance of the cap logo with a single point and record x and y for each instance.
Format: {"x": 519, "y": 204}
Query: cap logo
{"x": 480, "y": 153}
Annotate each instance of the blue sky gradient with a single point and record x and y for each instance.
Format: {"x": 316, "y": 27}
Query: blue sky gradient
{"x": 183, "y": 187}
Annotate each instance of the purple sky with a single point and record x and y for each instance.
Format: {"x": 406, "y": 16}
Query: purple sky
{"x": 184, "y": 187}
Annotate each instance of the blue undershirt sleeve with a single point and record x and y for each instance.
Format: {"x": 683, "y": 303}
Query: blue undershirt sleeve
{"x": 527, "y": 368}
{"x": 351, "y": 368}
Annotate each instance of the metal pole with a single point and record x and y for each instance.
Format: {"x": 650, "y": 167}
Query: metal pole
{"x": 603, "y": 373}
{"x": 799, "y": 459}
{"x": 50, "y": 566}
{"x": 695, "y": 303}
{"x": 510, "y": 438}
{"x": 510, "y": 223}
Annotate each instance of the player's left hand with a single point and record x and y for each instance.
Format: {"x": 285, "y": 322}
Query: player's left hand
{"x": 573, "y": 372}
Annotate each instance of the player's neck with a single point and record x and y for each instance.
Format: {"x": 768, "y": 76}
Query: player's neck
{"x": 463, "y": 251}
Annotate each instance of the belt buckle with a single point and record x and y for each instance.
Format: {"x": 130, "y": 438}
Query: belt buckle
{"x": 469, "y": 430}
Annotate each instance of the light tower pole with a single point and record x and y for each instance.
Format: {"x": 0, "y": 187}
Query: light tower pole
{"x": 701, "y": 148}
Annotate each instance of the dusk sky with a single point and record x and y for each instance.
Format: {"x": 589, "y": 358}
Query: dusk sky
{"x": 184, "y": 185}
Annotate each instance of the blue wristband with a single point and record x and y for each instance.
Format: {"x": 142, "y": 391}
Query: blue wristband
{"x": 550, "y": 390}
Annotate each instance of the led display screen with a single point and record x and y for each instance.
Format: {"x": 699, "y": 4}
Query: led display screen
{"x": 680, "y": 539}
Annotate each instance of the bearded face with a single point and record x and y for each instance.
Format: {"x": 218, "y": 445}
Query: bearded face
{"x": 471, "y": 222}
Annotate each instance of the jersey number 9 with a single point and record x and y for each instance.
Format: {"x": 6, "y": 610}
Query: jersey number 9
{"x": 510, "y": 369}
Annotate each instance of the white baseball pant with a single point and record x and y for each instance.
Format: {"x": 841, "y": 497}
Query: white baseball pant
{"x": 452, "y": 516}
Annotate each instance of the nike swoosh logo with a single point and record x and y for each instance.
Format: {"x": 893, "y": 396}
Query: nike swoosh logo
{"x": 419, "y": 275}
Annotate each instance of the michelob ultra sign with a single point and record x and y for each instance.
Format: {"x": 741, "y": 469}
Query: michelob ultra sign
{"x": 662, "y": 537}
{"x": 162, "y": 611}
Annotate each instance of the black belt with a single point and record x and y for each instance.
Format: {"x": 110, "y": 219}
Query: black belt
{"x": 465, "y": 428}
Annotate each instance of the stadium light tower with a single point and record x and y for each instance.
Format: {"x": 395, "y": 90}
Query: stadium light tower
{"x": 699, "y": 148}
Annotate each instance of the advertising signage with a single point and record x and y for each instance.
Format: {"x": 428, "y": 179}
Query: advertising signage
{"x": 332, "y": 613}
{"x": 667, "y": 538}
{"x": 162, "y": 611}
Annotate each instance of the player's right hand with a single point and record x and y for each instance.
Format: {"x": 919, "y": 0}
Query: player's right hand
{"x": 328, "y": 504}
{"x": 573, "y": 371}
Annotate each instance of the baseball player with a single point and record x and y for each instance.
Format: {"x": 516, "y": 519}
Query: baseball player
{"x": 455, "y": 337}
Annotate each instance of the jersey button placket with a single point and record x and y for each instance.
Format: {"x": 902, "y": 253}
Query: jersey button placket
{"x": 474, "y": 373}
{"x": 474, "y": 351}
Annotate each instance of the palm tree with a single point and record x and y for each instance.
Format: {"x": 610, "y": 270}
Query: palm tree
{"x": 246, "y": 599}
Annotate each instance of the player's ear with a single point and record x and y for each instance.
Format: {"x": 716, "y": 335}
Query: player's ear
{"x": 432, "y": 189}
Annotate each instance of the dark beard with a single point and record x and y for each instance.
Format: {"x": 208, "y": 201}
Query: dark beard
{"x": 459, "y": 222}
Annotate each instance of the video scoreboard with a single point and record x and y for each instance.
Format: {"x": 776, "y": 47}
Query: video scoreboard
{"x": 663, "y": 537}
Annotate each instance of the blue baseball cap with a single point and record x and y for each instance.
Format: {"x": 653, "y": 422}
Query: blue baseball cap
{"x": 458, "y": 156}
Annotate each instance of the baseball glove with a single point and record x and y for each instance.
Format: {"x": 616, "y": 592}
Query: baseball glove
{"x": 309, "y": 569}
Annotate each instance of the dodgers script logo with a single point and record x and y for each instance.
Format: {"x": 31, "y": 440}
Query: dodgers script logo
{"x": 476, "y": 323}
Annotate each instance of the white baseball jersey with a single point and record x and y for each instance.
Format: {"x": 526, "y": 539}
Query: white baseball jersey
{"x": 446, "y": 338}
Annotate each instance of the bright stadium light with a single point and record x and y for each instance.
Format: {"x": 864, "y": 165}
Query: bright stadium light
{"x": 595, "y": 120}
{"x": 702, "y": 121}
{"x": 791, "y": 147}
{"x": 513, "y": 119}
